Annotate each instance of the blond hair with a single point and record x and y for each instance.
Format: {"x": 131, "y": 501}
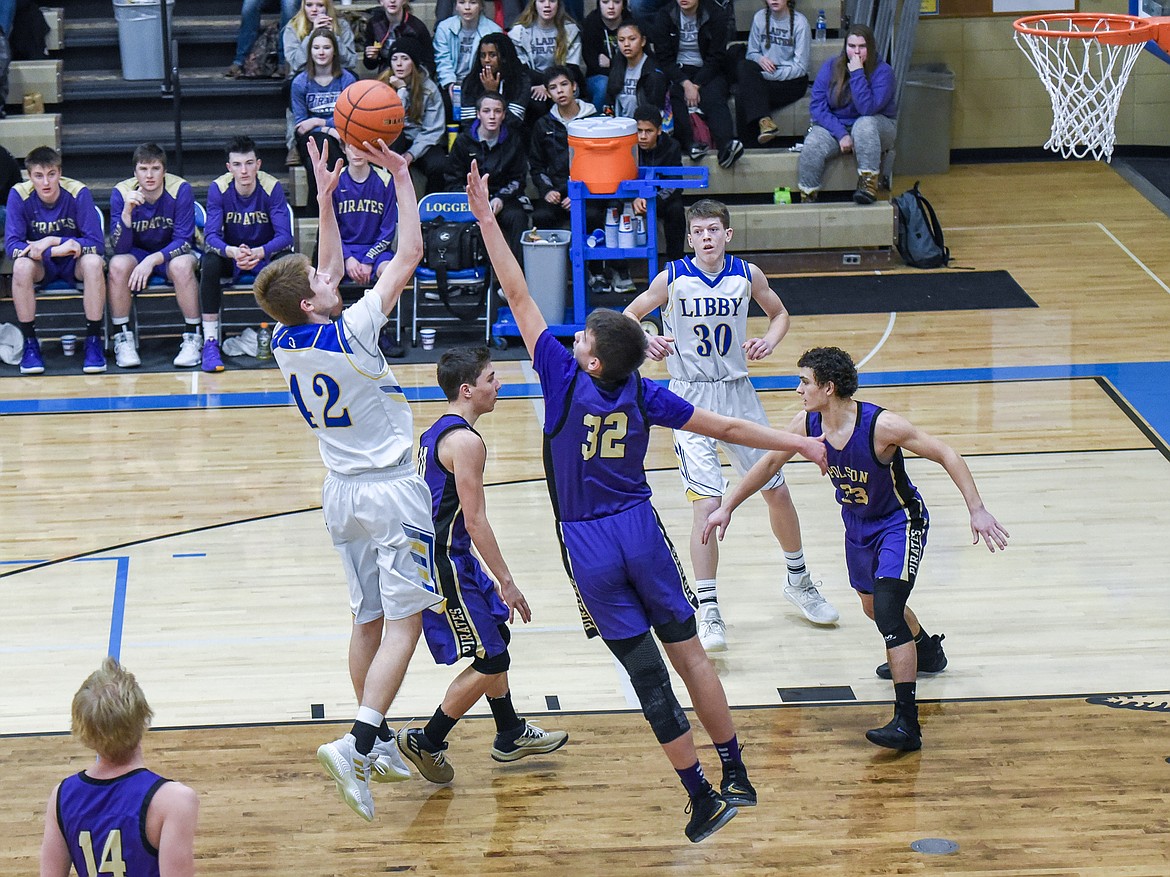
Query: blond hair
{"x": 110, "y": 712}
{"x": 282, "y": 286}
{"x": 301, "y": 25}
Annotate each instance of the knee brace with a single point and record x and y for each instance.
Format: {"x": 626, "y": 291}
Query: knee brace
{"x": 677, "y": 631}
{"x": 493, "y": 665}
{"x": 651, "y": 682}
{"x": 889, "y": 611}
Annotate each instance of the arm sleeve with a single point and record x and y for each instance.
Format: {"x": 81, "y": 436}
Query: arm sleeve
{"x": 184, "y": 232}
{"x": 665, "y": 39}
{"x": 444, "y": 61}
{"x": 300, "y": 105}
{"x": 664, "y": 408}
{"x": 715, "y": 56}
{"x": 871, "y": 97}
{"x": 15, "y": 226}
{"x": 819, "y": 110}
{"x": 345, "y": 42}
{"x": 755, "y": 43}
{"x": 388, "y": 227}
{"x": 433, "y": 125}
{"x": 801, "y": 49}
{"x": 213, "y": 227}
{"x": 121, "y": 236}
{"x": 295, "y": 52}
{"x": 282, "y": 237}
{"x": 91, "y": 238}
{"x": 513, "y": 173}
{"x": 458, "y": 164}
{"x": 574, "y": 56}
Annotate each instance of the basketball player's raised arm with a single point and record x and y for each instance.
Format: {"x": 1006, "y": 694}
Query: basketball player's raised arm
{"x": 507, "y": 270}
{"x": 777, "y": 314}
{"x": 656, "y": 295}
{"x": 330, "y": 260}
{"x": 401, "y": 269}
{"x": 755, "y": 478}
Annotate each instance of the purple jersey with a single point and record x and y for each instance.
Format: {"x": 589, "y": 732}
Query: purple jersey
{"x": 72, "y": 217}
{"x": 367, "y": 214}
{"x": 104, "y": 822}
{"x": 447, "y": 513}
{"x": 258, "y": 220}
{"x": 867, "y": 488}
{"x": 596, "y": 435}
{"x": 167, "y": 226}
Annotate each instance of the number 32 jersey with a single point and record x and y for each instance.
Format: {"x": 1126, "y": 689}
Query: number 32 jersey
{"x": 345, "y": 390}
{"x": 707, "y": 317}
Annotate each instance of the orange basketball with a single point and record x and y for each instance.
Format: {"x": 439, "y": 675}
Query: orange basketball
{"x": 368, "y": 110}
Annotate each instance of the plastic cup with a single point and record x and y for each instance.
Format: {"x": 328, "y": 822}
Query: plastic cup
{"x": 69, "y": 344}
{"x": 428, "y": 338}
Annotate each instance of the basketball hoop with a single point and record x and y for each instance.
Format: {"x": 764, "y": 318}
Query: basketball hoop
{"x": 1084, "y": 61}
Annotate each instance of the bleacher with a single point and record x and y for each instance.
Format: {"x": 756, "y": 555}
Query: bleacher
{"x": 96, "y": 119}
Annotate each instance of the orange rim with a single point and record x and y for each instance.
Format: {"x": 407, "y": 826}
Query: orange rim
{"x": 1119, "y": 30}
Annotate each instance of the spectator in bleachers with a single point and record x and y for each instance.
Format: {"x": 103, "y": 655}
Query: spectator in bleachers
{"x": 152, "y": 232}
{"x": 53, "y": 232}
{"x": 250, "y": 29}
{"x": 456, "y": 47}
{"x": 599, "y": 46}
{"x": 7, "y": 14}
{"x": 313, "y": 14}
{"x": 248, "y": 226}
{"x": 774, "y": 73}
{"x": 656, "y": 148}
{"x": 387, "y": 23}
{"x": 315, "y": 91}
{"x": 423, "y": 138}
{"x": 366, "y": 204}
{"x": 548, "y": 152}
{"x": 853, "y": 109}
{"x": 497, "y": 68}
{"x": 690, "y": 40}
{"x": 545, "y": 35}
{"x": 501, "y": 153}
{"x": 635, "y": 77}
{"x": 502, "y": 12}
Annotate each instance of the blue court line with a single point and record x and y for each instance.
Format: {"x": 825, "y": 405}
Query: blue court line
{"x": 118, "y": 611}
{"x": 1146, "y": 385}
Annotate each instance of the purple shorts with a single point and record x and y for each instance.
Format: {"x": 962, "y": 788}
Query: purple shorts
{"x": 626, "y": 574}
{"x": 889, "y": 548}
{"x": 59, "y": 269}
{"x": 470, "y": 625}
{"x": 160, "y": 271}
{"x": 380, "y": 260}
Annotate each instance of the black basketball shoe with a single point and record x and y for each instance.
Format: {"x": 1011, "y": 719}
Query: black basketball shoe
{"x": 931, "y": 660}
{"x": 902, "y": 733}
{"x": 709, "y": 813}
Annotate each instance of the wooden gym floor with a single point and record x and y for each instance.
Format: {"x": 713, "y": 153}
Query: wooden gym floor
{"x": 174, "y": 520}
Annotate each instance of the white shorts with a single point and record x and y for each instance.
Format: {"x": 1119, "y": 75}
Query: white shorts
{"x": 698, "y": 455}
{"x": 381, "y": 526}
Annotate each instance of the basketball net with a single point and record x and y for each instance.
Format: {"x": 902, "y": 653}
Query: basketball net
{"x": 1084, "y": 62}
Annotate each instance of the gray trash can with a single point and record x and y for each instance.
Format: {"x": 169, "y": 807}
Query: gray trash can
{"x": 546, "y": 270}
{"x": 924, "y": 121}
{"x": 140, "y": 37}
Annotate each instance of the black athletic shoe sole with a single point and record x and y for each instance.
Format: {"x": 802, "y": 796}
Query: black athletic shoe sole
{"x": 894, "y": 737}
{"x": 712, "y": 825}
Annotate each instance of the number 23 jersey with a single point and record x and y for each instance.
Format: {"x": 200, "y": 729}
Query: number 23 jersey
{"x": 707, "y": 317}
{"x": 345, "y": 391}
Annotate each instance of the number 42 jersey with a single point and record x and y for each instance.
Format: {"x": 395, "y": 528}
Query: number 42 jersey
{"x": 345, "y": 390}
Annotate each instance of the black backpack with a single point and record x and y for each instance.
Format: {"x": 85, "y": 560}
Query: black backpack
{"x": 453, "y": 246}
{"x": 262, "y": 60}
{"x": 920, "y": 237}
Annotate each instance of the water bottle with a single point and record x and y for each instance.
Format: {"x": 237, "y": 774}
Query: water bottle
{"x": 457, "y": 101}
{"x": 822, "y": 27}
{"x": 611, "y": 228}
{"x": 264, "y": 342}
{"x": 640, "y": 230}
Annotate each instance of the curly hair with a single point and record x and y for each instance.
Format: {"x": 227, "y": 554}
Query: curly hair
{"x": 831, "y": 364}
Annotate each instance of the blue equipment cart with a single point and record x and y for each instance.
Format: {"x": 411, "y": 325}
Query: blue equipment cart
{"x": 646, "y": 185}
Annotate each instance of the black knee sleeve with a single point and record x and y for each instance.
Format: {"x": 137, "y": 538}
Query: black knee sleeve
{"x": 493, "y": 665}
{"x": 647, "y": 670}
{"x": 677, "y": 631}
{"x": 889, "y": 611}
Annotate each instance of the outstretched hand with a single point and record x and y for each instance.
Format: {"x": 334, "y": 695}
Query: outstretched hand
{"x": 326, "y": 178}
{"x": 983, "y": 524}
{"x": 813, "y": 449}
{"x": 382, "y": 155}
{"x": 717, "y": 520}
{"x": 477, "y": 194}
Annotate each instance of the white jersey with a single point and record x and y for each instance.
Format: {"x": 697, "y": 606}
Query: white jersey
{"x": 345, "y": 390}
{"x": 707, "y": 317}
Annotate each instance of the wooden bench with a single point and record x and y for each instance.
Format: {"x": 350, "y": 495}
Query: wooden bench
{"x": 55, "y": 19}
{"x": 22, "y": 134}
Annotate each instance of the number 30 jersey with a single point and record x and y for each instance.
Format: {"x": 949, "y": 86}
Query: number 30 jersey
{"x": 595, "y": 435}
{"x": 866, "y": 487}
{"x": 345, "y": 390}
{"x": 707, "y": 317}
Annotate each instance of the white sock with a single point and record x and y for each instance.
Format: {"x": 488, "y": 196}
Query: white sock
{"x": 796, "y": 568}
{"x": 707, "y": 593}
{"x": 120, "y": 324}
{"x": 369, "y": 716}
{"x": 211, "y": 329}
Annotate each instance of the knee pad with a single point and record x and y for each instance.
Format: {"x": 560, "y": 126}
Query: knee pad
{"x": 494, "y": 665}
{"x": 677, "y": 631}
{"x": 889, "y": 611}
{"x": 643, "y": 662}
